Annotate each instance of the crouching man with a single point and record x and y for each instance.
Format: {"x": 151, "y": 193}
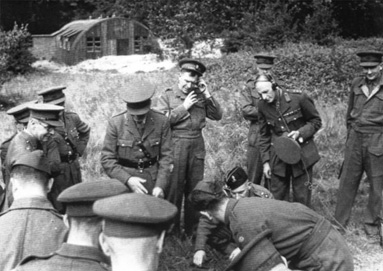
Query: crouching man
{"x": 265, "y": 230}
{"x": 216, "y": 234}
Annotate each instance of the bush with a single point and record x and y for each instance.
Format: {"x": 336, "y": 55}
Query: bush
{"x": 15, "y": 58}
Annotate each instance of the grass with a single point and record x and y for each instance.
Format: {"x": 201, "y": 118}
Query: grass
{"x": 95, "y": 97}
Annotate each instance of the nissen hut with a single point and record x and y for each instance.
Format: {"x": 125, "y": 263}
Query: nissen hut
{"x": 94, "y": 38}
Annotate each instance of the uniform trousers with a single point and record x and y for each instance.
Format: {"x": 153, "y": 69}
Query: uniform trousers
{"x": 189, "y": 158}
{"x": 301, "y": 185}
{"x": 363, "y": 153}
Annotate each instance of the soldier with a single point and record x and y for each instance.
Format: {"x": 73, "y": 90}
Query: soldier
{"x": 31, "y": 225}
{"x": 364, "y": 145}
{"x": 81, "y": 250}
{"x": 265, "y": 230}
{"x": 134, "y": 229}
{"x": 42, "y": 120}
{"x": 21, "y": 115}
{"x": 218, "y": 235}
{"x": 71, "y": 140}
{"x": 288, "y": 121}
{"x": 188, "y": 105}
{"x": 137, "y": 145}
{"x": 249, "y": 101}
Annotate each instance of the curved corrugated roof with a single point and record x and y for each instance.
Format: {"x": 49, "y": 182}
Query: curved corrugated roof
{"x": 76, "y": 27}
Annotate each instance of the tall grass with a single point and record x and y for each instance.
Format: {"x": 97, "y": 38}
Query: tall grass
{"x": 95, "y": 96}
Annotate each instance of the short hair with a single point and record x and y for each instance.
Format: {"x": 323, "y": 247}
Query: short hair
{"x": 28, "y": 173}
{"x": 90, "y": 223}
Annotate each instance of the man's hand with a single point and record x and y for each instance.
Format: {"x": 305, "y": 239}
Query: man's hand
{"x": 158, "y": 192}
{"x": 198, "y": 258}
{"x": 204, "y": 89}
{"x": 234, "y": 253}
{"x": 267, "y": 170}
{"x": 135, "y": 183}
{"x": 294, "y": 135}
{"x": 190, "y": 100}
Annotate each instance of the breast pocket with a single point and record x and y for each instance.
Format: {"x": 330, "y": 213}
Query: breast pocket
{"x": 293, "y": 115}
{"x": 155, "y": 144}
{"x": 124, "y": 148}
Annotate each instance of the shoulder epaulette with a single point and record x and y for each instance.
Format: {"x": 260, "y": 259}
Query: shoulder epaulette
{"x": 56, "y": 213}
{"x": 119, "y": 114}
{"x": 297, "y": 91}
{"x": 155, "y": 110}
{"x": 34, "y": 257}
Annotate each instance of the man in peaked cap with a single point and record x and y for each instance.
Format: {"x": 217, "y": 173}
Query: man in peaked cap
{"x": 43, "y": 118}
{"x": 216, "y": 234}
{"x": 364, "y": 145}
{"x": 134, "y": 229}
{"x": 137, "y": 145}
{"x": 20, "y": 114}
{"x": 290, "y": 118}
{"x": 249, "y": 101}
{"x": 81, "y": 249}
{"x": 265, "y": 230}
{"x": 31, "y": 220}
{"x": 71, "y": 139}
{"x": 188, "y": 105}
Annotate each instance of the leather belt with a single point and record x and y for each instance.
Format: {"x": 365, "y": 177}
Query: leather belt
{"x": 69, "y": 158}
{"x": 139, "y": 164}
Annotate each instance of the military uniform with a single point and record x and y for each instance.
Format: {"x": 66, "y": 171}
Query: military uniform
{"x": 291, "y": 111}
{"x": 71, "y": 141}
{"x": 31, "y": 226}
{"x": 364, "y": 147}
{"x": 217, "y": 234}
{"x": 188, "y": 144}
{"x": 264, "y": 230}
{"x": 68, "y": 258}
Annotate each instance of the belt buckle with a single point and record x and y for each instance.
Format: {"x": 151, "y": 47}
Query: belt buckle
{"x": 140, "y": 165}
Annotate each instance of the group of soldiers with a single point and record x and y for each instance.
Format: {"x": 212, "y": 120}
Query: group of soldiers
{"x": 154, "y": 156}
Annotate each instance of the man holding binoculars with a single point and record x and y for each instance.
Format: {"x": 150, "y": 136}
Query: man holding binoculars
{"x": 187, "y": 106}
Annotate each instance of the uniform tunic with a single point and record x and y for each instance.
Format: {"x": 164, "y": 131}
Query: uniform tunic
{"x": 68, "y": 258}
{"x": 363, "y": 152}
{"x": 22, "y": 143}
{"x": 264, "y": 230}
{"x": 29, "y": 226}
{"x": 249, "y": 101}
{"x": 217, "y": 234}
{"x": 71, "y": 141}
{"x": 188, "y": 145}
{"x": 299, "y": 114}
{"x": 122, "y": 143}
{"x": 3, "y": 154}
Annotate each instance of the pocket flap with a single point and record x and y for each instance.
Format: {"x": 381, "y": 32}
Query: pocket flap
{"x": 154, "y": 141}
{"x": 378, "y": 151}
{"x": 125, "y": 143}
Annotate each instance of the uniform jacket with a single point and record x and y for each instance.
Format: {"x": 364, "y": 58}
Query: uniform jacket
{"x": 68, "y": 258}
{"x": 206, "y": 227}
{"x": 121, "y": 139}
{"x": 266, "y": 229}
{"x": 299, "y": 114}
{"x": 182, "y": 120}
{"x": 364, "y": 111}
{"x": 30, "y": 226}
{"x": 4, "y": 149}
{"x": 76, "y": 131}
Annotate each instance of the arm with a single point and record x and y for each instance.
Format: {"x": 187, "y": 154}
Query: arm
{"x": 351, "y": 97}
{"x": 311, "y": 116}
{"x": 175, "y": 114}
{"x": 249, "y": 109}
{"x": 265, "y": 137}
{"x": 83, "y": 130}
{"x": 166, "y": 158}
